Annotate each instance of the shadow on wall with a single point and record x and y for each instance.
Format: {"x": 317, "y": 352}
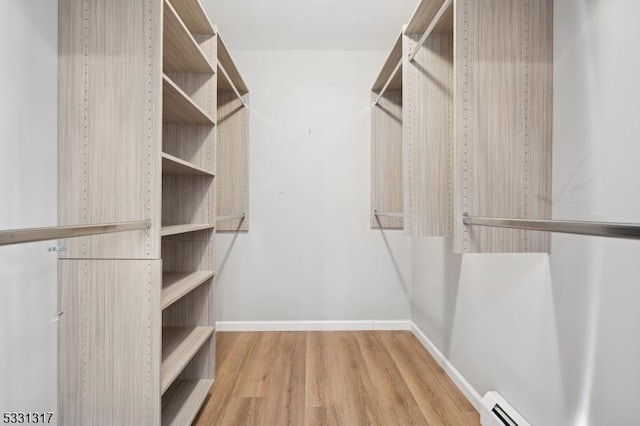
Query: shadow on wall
{"x": 394, "y": 261}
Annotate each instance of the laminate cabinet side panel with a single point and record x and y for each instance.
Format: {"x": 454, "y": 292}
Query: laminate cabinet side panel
{"x": 233, "y": 162}
{"x": 386, "y": 160}
{"x": 540, "y": 120}
{"x": 188, "y": 255}
{"x": 109, "y": 123}
{"x": 428, "y": 135}
{"x": 503, "y": 120}
{"x": 188, "y": 199}
{"x": 192, "y": 143}
{"x": 109, "y": 341}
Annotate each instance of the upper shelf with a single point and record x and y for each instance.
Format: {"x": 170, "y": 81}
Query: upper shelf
{"x": 181, "y": 52}
{"x": 232, "y": 77}
{"x": 193, "y": 16}
{"x": 178, "y": 108}
{"x": 423, "y": 15}
{"x": 390, "y": 65}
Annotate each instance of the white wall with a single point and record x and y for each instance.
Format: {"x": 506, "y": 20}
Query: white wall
{"x": 310, "y": 254}
{"x": 28, "y": 125}
{"x": 558, "y": 335}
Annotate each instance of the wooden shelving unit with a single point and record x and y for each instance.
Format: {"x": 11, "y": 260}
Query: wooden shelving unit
{"x": 232, "y": 145}
{"x": 139, "y": 140}
{"x": 177, "y": 284}
{"x": 179, "y": 108}
{"x": 181, "y": 52}
{"x": 194, "y": 17}
{"x": 175, "y": 166}
{"x": 473, "y": 117}
{"x": 181, "y": 403}
{"x": 179, "y": 346}
{"x": 386, "y": 143}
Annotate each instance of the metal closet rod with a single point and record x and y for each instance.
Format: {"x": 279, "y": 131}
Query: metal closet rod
{"x": 233, "y": 86}
{"x": 29, "y": 235}
{"x": 596, "y": 229}
{"x": 432, "y": 25}
{"x": 233, "y": 216}
{"x": 386, "y": 85}
{"x": 388, "y": 214}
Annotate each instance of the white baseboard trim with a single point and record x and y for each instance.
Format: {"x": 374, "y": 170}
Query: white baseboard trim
{"x": 458, "y": 379}
{"x": 313, "y": 325}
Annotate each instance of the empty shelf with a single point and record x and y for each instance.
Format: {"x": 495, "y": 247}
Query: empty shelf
{"x": 183, "y": 229}
{"x": 181, "y": 53}
{"x": 177, "y": 284}
{"x": 175, "y": 166}
{"x": 178, "y": 107}
{"x": 390, "y": 66}
{"x": 183, "y": 400}
{"x": 193, "y": 16}
{"x": 179, "y": 345}
{"x": 232, "y": 79}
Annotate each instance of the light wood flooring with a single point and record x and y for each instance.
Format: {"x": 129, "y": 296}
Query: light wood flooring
{"x": 330, "y": 378}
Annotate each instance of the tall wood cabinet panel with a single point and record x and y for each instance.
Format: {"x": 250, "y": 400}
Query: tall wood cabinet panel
{"x": 110, "y": 84}
{"x": 386, "y": 143}
{"x": 109, "y": 340}
{"x": 233, "y": 145}
{"x": 428, "y": 133}
{"x": 503, "y": 115}
{"x": 138, "y": 140}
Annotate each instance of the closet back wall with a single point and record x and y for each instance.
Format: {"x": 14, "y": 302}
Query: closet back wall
{"x": 28, "y": 190}
{"x": 310, "y": 253}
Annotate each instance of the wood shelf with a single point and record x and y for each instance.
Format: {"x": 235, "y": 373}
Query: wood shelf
{"x": 422, "y": 16}
{"x": 179, "y": 346}
{"x": 181, "y": 52}
{"x": 175, "y": 166}
{"x": 389, "y": 66}
{"x": 177, "y": 284}
{"x": 193, "y": 16}
{"x": 183, "y": 229}
{"x": 179, "y": 108}
{"x": 234, "y": 78}
{"x": 181, "y": 403}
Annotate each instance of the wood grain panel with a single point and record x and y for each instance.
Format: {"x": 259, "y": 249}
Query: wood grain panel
{"x": 183, "y": 400}
{"x": 188, "y": 200}
{"x": 179, "y": 346}
{"x": 109, "y": 341}
{"x": 175, "y": 166}
{"x": 189, "y": 252}
{"x": 389, "y": 65}
{"x": 179, "y": 108}
{"x": 181, "y": 52}
{"x": 422, "y": 16}
{"x": 503, "y": 116}
{"x": 177, "y": 284}
{"x": 386, "y": 160}
{"x": 227, "y": 63}
{"x": 232, "y": 174}
{"x": 193, "y": 16}
{"x": 196, "y": 308}
{"x": 110, "y": 94}
{"x": 428, "y": 136}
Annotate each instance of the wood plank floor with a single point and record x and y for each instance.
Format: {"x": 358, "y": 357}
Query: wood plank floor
{"x": 331, "y": 378}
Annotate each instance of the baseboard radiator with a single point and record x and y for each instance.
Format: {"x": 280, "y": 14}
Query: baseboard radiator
{"x": 496, "y": 411}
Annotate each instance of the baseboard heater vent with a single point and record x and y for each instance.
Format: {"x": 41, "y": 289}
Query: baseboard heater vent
{"x": 497, "y": 412}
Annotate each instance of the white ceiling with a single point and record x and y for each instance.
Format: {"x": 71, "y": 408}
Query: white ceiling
{"x": 310, "y": 24}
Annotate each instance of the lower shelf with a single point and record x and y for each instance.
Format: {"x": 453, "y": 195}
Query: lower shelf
{"x": 183, "y": 400}
{"x": 179, "y": 345}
